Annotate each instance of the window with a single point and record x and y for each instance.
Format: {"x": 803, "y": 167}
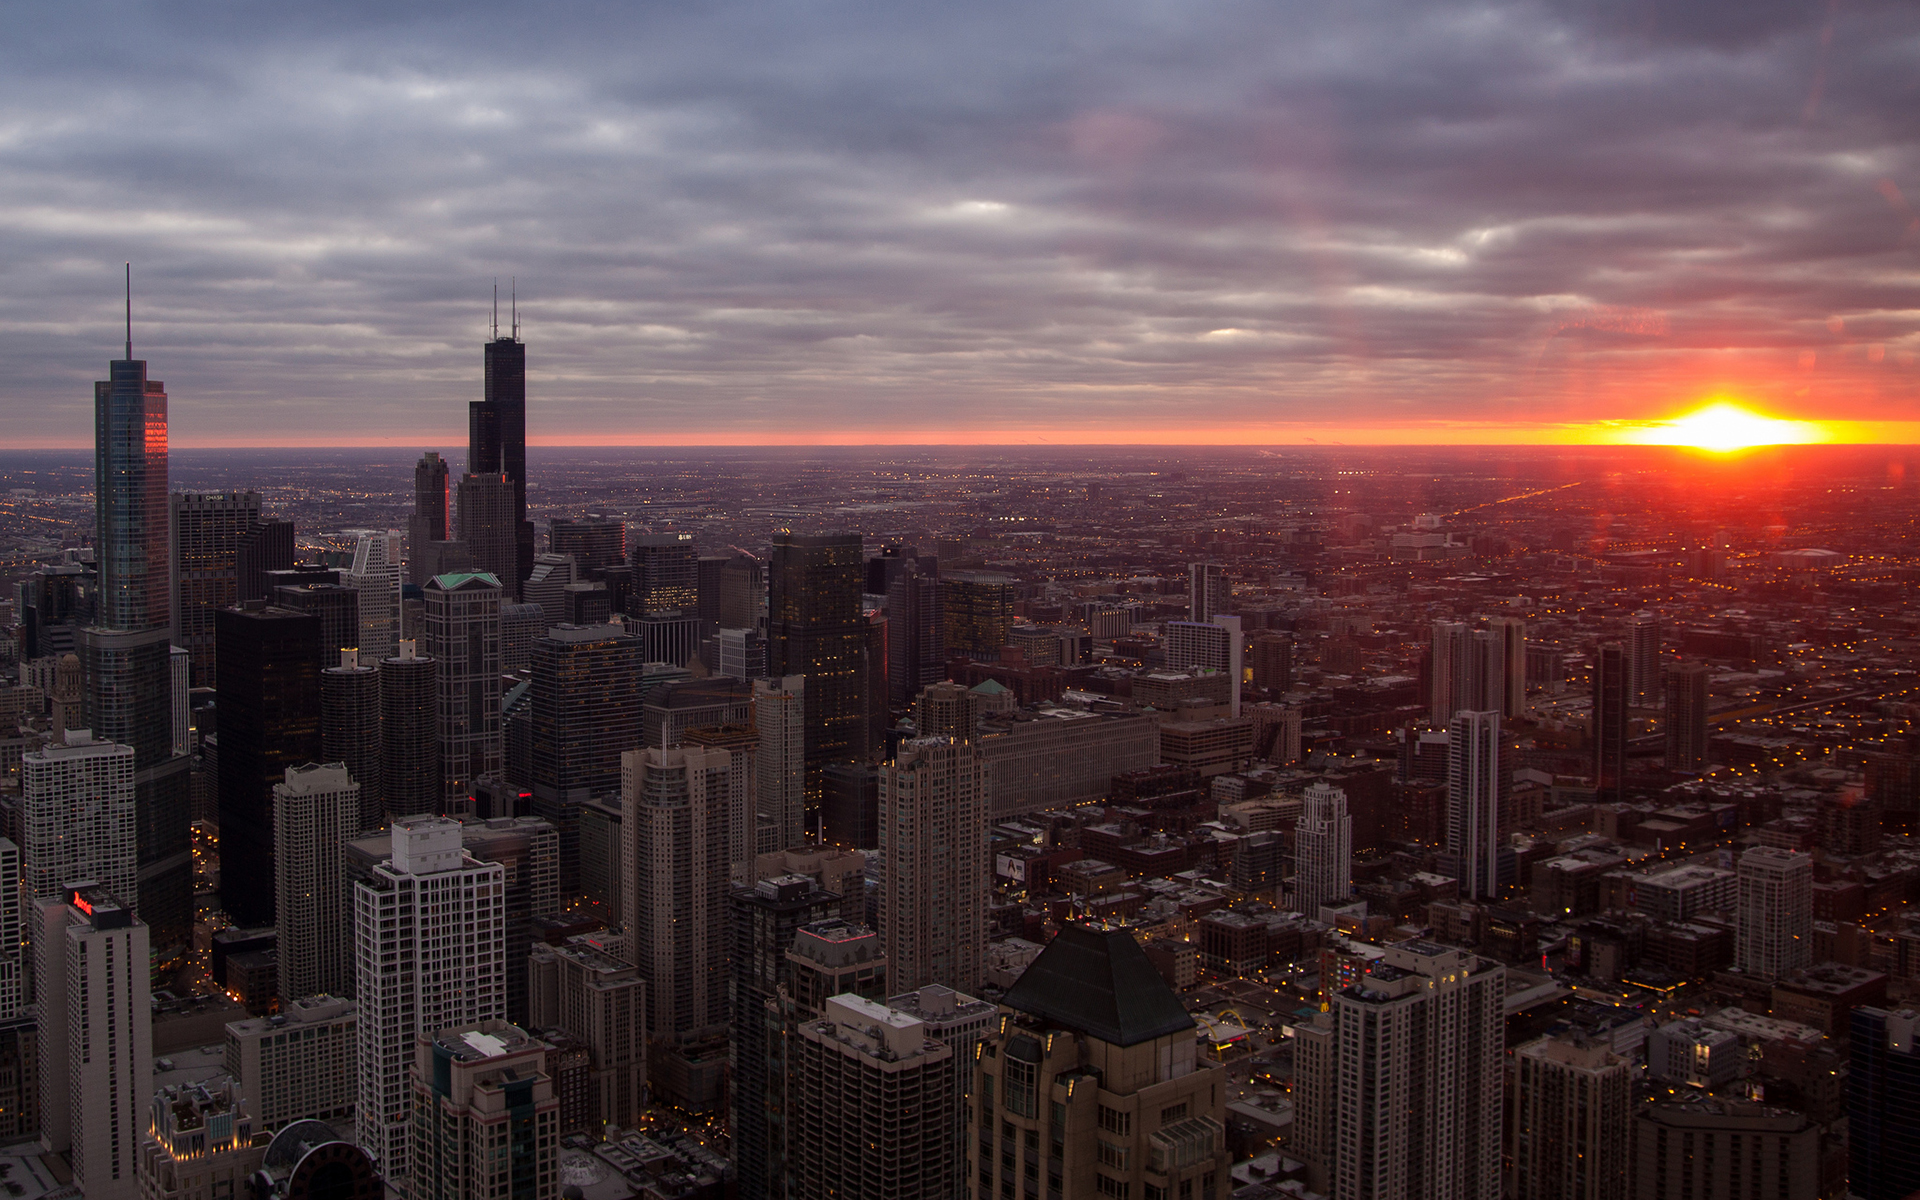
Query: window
{"x": 1020, "y": 1088}
{"x": 1110, "y": 1187}
{"x": 1110, "y": 1155}
{"x": 1115, "y": 1121}
{"x": 1177, "y": 1112}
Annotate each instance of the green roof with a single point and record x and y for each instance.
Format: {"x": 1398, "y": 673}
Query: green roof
{"x": 448, "y": 583}
{"x": 1099, "y": 982}
{"x": 989, "y": 687}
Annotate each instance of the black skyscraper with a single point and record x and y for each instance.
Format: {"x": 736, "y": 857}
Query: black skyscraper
{"x": 269, "y": 704}
{"x": 497, "y": 432}
{"x": 1611, "y": 696}
{"x": 815, "y": 628}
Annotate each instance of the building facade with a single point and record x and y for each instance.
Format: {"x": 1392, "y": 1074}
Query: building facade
{"x": 315, "y": 810}
{"x": 933, "y": 834}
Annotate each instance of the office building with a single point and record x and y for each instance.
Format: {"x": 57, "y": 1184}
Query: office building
{"x": 1883, "y": 1104}
{"x": 600, "y": 1001}
{"x": 428, "y": 524}
{"x": 1475, "y": 784}
{"x": 601, "y": 847}
{"x": 1773, "y": 933}
{"x": 315, "y": 810}
{"x": 77, "y": 816}
{"x": 1092, "y": 1083}
{"x": 486, "y": 1116}
{"x": 742, "y": 653}
{"x": 734, "y": 595}
{"x": 1679, "y": 894}
{"x": 1208, "y": 592}
{"x": 1510, "y": 693}
{"x": 595, "y": 543}
{"x": 13, "y": 963}
{"x": 375, "y": 576}
{"x": 668, "y": 635}
{"x": 462, "y": 624}
{"x": 411, "y": 779}
{"x": 264, "y": 549}
{"x": 205, "y": 531}
{"x": 1685, "y": 717}
{"x": 199, "y": 1143}
{"x": 487, "y": 529}
{"x": 497, "y": 440}
{"x": 850, "y": 811}
{"x": 1270, "y": 657}
{"x": 584, "y": 714}
{"x": 977, "y": 607}
{"x": 1476, "y": 669}
{"x": 429, "y": 954}
{"x": 350, "y": 731}
{"x": 91, "y": 968}
{"x": 1694, "y": 1053}
{"x": 1643, "y": 687}
{"x": 960, "y": 1023}
{"x": 666, "y": 575}
{"x": 779, "y": 715}
{"x": 916, "y": 630}
{"x": 742, "y": 745}
{"x": 297, "y": 1065}
{"x": 520, "y": 626}
{"x": 675, "y": 882}
{"x": 674, "y": 707}
{"x": 1722, "y": 1147}
{"x": 766, "y": 919}
{"x": 815, "y": 628}
{"x": 335, "y": 609}
{"x": 126, "y": 651}
{"x": 527, "y": 849}
{"x": 933, "y": 836}
{"x": 1213, "y": 645}
{"x": 1573, "y": 1105}
{"x": 870, "y": 1103}
{"x": 1323, "y": 850}
{"x": 1398, "y": 1084}
{"x": 1064, "y": 756}
{"x": 1612, "y": 696}
{"x": 269, "y": 705}
{"x": 547, "y": 585}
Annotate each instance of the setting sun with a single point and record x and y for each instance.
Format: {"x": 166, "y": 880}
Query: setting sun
{"x": 1724, "y": 426}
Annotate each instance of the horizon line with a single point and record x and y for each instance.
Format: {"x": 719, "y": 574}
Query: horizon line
{"x": 81, "y": 448}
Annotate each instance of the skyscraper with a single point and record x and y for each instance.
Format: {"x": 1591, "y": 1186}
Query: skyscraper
{"x": 1397, "y": 1087}
{"x": 336, "y": 613}
{"x": 1773, "y": 932}
{"x": 77, "y": 816}
{"x": 1474, "y": 789}
{"x": 1510, "y": 696}
{"x": 1446, "y": 650}
{"x": 126, "y": 650}
{"x": 1208, "y": 593}
{"x": 978, "y": 609}
{"x": 13, "y": 967}
{"x": 350, "y": 734}
{"x": 497, "y": 438}
{"x": 916, "y": 631}
{"x": 602, "y": 1001}
{"x": 1271, "y": 658}
{"x": 1612, "y": 695}
{"x": 815, "y": 628}
{"x": 779, "y": 715}
{"x": 205, "y": 530}
{"x": 315, "y": 810}
{"x": 1883, "y": 1104}
{"x": 91, "y": 967}
{"x": 585, "y": 713}
{"x": 411, "y": 781}
{"x": 1685, "y": 717}
{"x": 429, "y": 953}
{"x": 269, "y": 704}
{"x": 1323, "y": 850}
{"x": 485, "y": 1113}
{"x": 933, "y": 833}
{"x": 375, "y": 575}
{"x": 596, "y": 543}
{"x": 1215, "y": 644}
{"x": 428, "y": 523}
{"x": 675, "y": 883}
{"x": 268, "y": 546}
{"x": 462, "y": 624}
{"x": 666, "y": 574}
{"x": 741, "y": 741}
{"x": 1644, "y": 669}
{"x": 487, "y": 528}
{"x": 1573, "y": 1107}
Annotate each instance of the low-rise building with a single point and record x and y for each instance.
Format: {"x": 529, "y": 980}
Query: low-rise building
{"x": 296, "y": 1066}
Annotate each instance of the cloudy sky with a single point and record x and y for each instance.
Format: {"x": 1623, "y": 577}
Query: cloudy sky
{"x": 834, "y": 221}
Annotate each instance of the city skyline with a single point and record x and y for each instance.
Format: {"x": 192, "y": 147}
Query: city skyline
{"x": 1426, "y": 224}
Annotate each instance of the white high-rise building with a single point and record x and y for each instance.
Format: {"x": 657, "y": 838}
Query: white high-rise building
{"x": 1208, "y": 592}
{"x": 1323, "y": 849}
{"x": 315, "y": 810}
{"x": 1643, "y": 664}
{"x": 375, "y": 574}
{"x": 933, "y": 834}
{"x": 1773, "y": 931}
{"x": 462, "y": 619}
{"x": 429, "y": 953}
{"x": 77, "y": 816}
{"x": 1397, "y": 1087}
{"x": 96, "y": 1038}
{"x": 675, "y": 881}
{"x": 13, "y": 966}
{"x": 1473, "y": 802}
{"x": 780, "y": 766}
{"x": 1215, "y": 644}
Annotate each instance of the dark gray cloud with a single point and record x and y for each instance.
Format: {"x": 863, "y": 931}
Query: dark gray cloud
{"x": 746, "y": 220}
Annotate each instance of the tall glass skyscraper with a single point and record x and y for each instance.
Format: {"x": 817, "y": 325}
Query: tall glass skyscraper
{"x": 497, "y": 435}
{"x": 815, "y": 628}
{"x": 127, "y": 651}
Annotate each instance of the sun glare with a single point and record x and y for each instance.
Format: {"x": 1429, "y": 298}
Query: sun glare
{"x": 1724, "y": 426}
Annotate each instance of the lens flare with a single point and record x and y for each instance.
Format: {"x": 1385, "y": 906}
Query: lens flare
{"x": 1724, "y": 426}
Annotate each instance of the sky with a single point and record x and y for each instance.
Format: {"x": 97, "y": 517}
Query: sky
{"x": 839, "y": 222}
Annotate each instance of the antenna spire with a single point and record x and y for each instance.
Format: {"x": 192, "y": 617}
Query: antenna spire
{"x": 129, "y": 312}
{"x": 513, "y": 298}
{"x": 496, "y": 310}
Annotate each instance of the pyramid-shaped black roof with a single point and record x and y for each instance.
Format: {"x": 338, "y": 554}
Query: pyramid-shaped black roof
{"x": 1099, "y": 982}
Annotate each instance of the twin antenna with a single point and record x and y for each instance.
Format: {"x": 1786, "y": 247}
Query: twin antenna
{"x": 513, "y": 299}
{"x": 129, "y": 312}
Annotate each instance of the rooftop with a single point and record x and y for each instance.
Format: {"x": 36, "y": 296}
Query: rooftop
{"x": 1100, "y": 983}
